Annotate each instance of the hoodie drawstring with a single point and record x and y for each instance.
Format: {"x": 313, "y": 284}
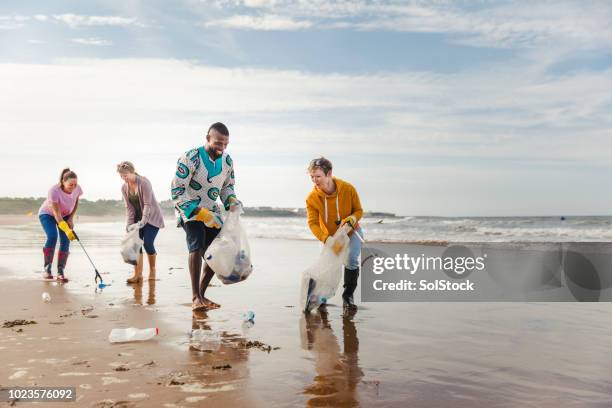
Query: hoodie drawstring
{"x": 337, "y": 209}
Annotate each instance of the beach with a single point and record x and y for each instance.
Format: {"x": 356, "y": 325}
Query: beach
{"x": 387, "y": 354}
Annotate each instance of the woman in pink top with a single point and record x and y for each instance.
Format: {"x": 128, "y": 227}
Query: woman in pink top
{"x": 56, "y": 216}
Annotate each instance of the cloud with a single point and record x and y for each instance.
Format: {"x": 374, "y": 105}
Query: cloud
{"x": 12, "y": 22}
{"x": 433, "y": 132}
{"x": 264, "y": 23}
{"x": 506, "y": 24}
{"x": 483, "y": 114}
{"x": 76, "y": 20}
{"x": 92, "y": 41}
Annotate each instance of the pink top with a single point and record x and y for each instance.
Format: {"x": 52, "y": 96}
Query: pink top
{"x": 66, "y": 201}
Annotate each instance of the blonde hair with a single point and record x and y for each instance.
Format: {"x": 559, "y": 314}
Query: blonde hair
{"x": 126, "y": 167}
{"x": 320, "y": 163}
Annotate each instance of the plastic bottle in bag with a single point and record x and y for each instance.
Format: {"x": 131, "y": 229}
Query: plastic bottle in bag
{"x": 229, "y": 255}
{"x": 132, "y": 334}
{"x": 131, "y": 245}
{"x": 321, "y": 280}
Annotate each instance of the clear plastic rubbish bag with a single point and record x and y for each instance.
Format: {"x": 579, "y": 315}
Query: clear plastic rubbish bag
{"x": 131, "y": 245}
{"x": 229, "y": 255}
{"x": 321, "y": 280}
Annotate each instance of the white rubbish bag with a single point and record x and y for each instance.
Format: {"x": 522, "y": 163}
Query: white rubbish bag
{"x": 131, "y": 245}
{"x": 321, "y": 280}
{"x": 229, "y": 255}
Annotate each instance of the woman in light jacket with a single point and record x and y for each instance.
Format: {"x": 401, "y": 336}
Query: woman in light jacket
{"x": 142, "y": 209}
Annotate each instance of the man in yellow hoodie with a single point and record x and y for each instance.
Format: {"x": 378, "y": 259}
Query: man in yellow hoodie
{"x": 331, "y": 204}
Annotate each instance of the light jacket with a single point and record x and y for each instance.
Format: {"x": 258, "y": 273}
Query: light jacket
{"x": 151, "y": 210}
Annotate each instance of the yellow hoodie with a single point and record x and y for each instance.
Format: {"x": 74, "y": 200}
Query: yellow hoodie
{"x": 324, "y": 210}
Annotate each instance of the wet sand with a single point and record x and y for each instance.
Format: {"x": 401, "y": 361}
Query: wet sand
{"x": 68, "y": 346}
{"x": 388, "y": 354}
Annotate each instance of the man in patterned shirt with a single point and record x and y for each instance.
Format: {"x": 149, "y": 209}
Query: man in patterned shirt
{"x": 203, "y": 175}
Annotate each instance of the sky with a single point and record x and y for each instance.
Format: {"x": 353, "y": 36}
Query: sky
{"x": 445, "y": 108}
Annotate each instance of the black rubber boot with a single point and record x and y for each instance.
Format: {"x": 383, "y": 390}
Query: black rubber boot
{"x": 351, "y": 276}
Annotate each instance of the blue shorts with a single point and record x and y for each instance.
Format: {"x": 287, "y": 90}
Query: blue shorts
{"x": 198, "y": 235}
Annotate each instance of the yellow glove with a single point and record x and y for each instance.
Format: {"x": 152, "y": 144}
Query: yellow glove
{"x": 66, "y": 228}
{"x": 234, "y": 204}
{"x": 209, "y": 218}
{"x": 350, "y": 220}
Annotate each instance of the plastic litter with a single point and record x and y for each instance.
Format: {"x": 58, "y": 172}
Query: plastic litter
{"x": 201, "y": 339}
{"x": 321, "y": 280}
{"x": 229, "y": 255}
{"x": 131, "y": 245}
{"x": 132, "y": 334}
{"x": 248, "y": 320}
{"x": 46, "y": 297}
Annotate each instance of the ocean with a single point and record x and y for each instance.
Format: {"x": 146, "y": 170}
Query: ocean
{"x": 453, "y": 229}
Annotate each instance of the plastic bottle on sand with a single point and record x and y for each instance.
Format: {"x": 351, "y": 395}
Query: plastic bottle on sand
{"x": 46, "y": 297}
{"x": 132, "y": 334}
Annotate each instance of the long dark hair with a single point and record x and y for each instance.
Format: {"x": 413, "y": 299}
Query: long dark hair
{"x": 66, "y": 175}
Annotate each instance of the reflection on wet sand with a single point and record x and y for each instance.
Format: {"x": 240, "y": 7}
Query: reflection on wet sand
{"x": 137, "y": 287}
{"x": 337, "y": 373}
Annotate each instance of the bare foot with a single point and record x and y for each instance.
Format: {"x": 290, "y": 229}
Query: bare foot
{"x": 198, "y": 306}
{"x": 210, "y": 304}
{"x": 134, "y": 279}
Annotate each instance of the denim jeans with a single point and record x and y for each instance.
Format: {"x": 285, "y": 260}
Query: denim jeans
{"x": 51, "y": 229}
{"x": 354, "y": 250}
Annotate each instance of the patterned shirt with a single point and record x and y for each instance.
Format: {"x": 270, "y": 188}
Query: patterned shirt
{"x": 200, "y": 182}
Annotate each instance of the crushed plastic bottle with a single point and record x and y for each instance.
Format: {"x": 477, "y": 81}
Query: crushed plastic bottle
{"x": 204, "y": 340}
{"x": 132, "y": 334}
{"x": 46, "y": 297}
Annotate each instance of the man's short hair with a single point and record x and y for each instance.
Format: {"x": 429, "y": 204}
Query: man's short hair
{"x": 320, "y": 163}
{"x": 219, "y": 127}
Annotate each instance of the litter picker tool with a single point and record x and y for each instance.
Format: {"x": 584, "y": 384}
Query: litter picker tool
{"x": 100, "y": 285}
